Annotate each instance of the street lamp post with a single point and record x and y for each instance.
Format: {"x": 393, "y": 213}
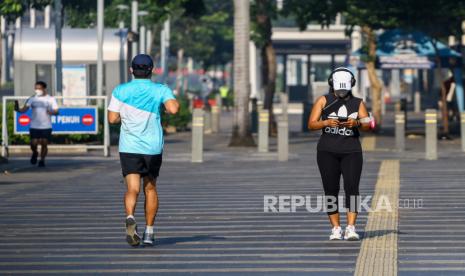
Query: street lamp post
{"x": 3, "y": 37}
{"x": 134, "y": 25}
{"x": 165, "y": 45}
{"x": 149, "y": 41}
{"x": 142, "y": 33}
{"x": 58, "y": 63}
{"x": 100, "y": 7}
{"x": 32, "y": 17}
{"x": 122, "y": 65}
{"x": 47, "y": 16}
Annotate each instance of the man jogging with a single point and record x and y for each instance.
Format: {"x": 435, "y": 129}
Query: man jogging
{"x": 43, "y": 107}
{"x": 136, "y": 105}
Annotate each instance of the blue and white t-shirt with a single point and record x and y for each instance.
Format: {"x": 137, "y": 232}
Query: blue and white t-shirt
{"x": 138, "y": 103}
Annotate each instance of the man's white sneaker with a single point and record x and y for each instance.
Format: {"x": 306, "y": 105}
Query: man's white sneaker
{"x": 350, "y": 234}
{"x": 336, "y": 234}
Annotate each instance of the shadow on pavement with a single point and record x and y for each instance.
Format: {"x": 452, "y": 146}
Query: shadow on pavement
{"x": 377, "y": 233}
{"x": 13, "y": 182}
{"x": 175, "y": 240}
{"x": 52, "y": 165}
{"x": 174, "y": 141}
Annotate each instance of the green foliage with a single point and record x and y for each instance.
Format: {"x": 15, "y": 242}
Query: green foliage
{"x": 11, "y": 9}
{"x": 364, "y": 56}
{"x": 181, "y": 119}
{"x": 7, "y": 85}
{"x": 376, "y": 14}
{"x": 203, "y": 28}
{"x": 312, "y": 11}
{"x": 13, "y": 138}
{"x": 437, "y": 18}
{"x": 370, "y": 17}
{"x": 262, "y": 12}
{"x": 205, "y": 35}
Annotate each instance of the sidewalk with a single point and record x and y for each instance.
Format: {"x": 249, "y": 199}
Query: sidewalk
{"x": 69, "y": 217}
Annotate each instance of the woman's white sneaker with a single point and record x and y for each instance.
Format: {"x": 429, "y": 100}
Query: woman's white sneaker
{"x": 350, "y": 234}
{"x": 336, "y": 233}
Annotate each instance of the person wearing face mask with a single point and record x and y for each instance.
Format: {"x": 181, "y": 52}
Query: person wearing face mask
{"x": 340, "y": 116}
{"x": 43, "y": 107}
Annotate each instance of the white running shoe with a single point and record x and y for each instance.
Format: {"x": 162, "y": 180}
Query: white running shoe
{"x": 350, "y": 234}
{"x": 336, "y": 233}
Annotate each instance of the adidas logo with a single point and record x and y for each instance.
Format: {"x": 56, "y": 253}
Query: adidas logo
{"x": 342, "y": 112}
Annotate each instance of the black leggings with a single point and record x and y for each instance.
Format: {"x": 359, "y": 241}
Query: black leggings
{"x": 331, "y": 166}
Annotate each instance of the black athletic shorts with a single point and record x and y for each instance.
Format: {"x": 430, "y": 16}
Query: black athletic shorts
{"x": 36, "y": 133}
{"x": 145, "y": 165}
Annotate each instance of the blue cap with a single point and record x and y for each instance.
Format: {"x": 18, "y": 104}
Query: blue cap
{"x": 142, "y": 61}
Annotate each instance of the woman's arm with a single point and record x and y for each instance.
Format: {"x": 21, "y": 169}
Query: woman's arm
{"x": 364, "y": 118}
{"x": 314, "y": 122}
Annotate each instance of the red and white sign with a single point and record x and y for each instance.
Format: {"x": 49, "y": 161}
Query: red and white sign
{"x": 24, "y": 120}
{"x": 87, "y": 119}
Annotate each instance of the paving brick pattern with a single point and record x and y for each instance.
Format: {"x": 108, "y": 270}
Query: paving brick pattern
{"x": 378, "y": 253}
{"x": 69, "y": 218}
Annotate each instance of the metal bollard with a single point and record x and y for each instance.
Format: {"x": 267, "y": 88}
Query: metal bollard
{"x": 417, "y": 102}
{"x": 197, "y": 136}
{"x": 400, "y": 131}
{"x": 263, "y": 125}
{"x": 431, "y": 142}
{"x": 207, "y": 117}
{"x": 215, "y": 119}
{"x": 219, "y": 102}
{"x": 462, "y": 129}
{"x": 283, "y": 140}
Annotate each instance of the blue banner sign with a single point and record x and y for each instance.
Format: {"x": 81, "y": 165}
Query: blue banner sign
{"x": 70, "y": 120}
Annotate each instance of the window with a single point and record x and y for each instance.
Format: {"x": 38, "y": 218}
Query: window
{"x": 321, "y": 67}
{"x": 297, "y": 70}
{"x": 92, "y": 71}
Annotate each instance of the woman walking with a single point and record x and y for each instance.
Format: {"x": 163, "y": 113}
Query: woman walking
{"x": 340, "y": 116}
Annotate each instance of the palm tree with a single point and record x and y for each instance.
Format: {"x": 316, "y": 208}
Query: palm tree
{"x": 241, "y": 135}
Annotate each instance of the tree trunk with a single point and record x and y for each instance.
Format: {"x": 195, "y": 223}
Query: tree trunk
{"x": 376, "y": 87}
{"x": 241, "y": 134}
{"x": 442, "y": 90}
{"x": 269, "y": 82}
{"x": 268, "y": 60}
